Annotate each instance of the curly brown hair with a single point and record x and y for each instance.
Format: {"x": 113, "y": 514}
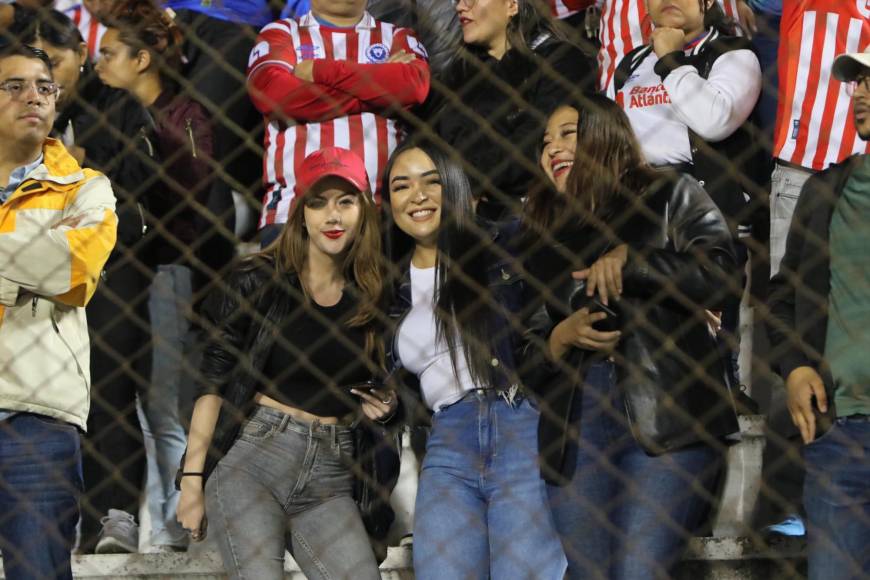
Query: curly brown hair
{"x": 143, "y": 25}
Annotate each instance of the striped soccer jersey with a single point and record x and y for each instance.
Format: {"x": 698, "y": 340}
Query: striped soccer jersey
{"x": 814, "y": 123}
{"x": 625, "y": 25}
{"x": 356, "y": 127}
{"x": 92, "y": 31}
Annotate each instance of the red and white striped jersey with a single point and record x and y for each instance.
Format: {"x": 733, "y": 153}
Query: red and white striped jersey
{"x": 814, "y": 122}
{"x": 355, "y": 124}
{"x": 625, "y": 25}
{"x": 92, "y": 31}
{"x": 565, "y": 8}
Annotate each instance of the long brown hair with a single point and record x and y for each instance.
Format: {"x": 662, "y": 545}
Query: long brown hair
{"x": 609, "y": 170}
{"x": 362, "y": 263}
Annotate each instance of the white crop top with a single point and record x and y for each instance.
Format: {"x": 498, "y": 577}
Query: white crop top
{"x": 419, "y": 352}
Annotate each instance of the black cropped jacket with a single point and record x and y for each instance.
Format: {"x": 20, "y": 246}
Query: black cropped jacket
{"x": 669, "y": 371}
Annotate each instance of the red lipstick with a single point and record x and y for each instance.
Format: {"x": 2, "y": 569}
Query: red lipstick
{"x": 333, "y": 234}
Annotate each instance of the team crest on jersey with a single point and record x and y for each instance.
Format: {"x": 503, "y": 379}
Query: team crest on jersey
{"x": 308, "y": 52}
{"x": 377, "y": 53}
{"x": 258, "y": 52}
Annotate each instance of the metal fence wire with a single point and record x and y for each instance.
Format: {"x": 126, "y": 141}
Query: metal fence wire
{"x": 565, "y": 287}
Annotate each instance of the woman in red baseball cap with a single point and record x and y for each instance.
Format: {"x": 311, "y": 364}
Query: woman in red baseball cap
{"x": 290, "y": 333}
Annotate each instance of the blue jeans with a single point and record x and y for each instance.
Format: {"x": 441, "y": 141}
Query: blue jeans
{"x": 168, "y": 306}
{"x": 626, "y": 515}
{"x": 40, "y": 486}
{"x": 481, "y": 507}
{"x": 287, "y": 484}
{"x": 837, "y": 500}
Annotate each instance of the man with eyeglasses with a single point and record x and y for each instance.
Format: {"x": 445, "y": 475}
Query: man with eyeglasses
{"x": 57, "y": 228}
{"x": 820, "y": 302}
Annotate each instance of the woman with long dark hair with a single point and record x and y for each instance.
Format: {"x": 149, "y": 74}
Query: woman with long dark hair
{"x": 292, "y": 342}
{"x": 634, "y": 405}
{"x": 101, "y": 127}
{"x": 490, "y": 102}
{"x": 481, "y": 506}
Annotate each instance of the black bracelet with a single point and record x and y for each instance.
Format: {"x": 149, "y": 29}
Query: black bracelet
{"x": 192, "y": 474}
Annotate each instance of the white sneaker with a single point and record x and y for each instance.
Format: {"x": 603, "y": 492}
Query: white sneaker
{"x": 120, "y": 534}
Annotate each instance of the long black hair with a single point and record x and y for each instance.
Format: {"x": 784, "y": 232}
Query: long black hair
{"x": 464, "y": 308}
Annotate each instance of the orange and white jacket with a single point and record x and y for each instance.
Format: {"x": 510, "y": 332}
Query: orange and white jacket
{"x": 56, "y": 232}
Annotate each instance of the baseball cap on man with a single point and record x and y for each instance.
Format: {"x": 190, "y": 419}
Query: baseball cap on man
{"x": 848, "y": 66}
{"x": 331, "y": 161}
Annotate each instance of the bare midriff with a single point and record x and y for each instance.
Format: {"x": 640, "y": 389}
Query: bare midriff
{"x": 266, "y": 401}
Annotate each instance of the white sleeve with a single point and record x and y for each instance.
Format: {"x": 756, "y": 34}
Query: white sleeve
{"x": 717, "y": 106}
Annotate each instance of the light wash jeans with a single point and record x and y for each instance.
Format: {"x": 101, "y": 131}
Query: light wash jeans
{"x": 165, "y": 440}
{"x": 785, "y": 188}
{"x": 286, "y": 484}
{"x": 481, "y": 504}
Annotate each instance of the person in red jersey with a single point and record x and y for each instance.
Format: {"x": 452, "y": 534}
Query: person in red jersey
{"x": 814, "y": 126}
{"x": 334, "y": 77}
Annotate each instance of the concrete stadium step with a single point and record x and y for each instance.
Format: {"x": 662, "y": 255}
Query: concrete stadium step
{"x": 742, "y": 486}
{"x": 707, "y": 559}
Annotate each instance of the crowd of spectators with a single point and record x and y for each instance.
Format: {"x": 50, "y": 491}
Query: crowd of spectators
{"x": 244, "y": 244}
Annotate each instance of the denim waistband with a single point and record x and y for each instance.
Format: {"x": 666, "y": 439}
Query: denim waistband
{"x": 284, "y": 422}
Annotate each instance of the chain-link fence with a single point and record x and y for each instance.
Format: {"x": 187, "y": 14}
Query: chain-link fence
{"x": 485, "y": 282}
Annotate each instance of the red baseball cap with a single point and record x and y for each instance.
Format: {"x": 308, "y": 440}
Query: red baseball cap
{"x": 331, "y": 161}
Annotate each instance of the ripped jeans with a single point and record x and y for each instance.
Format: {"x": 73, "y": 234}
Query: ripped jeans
{"x": 286, "y": 484}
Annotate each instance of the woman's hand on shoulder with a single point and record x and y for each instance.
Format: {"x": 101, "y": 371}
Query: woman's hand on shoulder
{"x": 378, "y": 404}
{"x": 605, "y": 275}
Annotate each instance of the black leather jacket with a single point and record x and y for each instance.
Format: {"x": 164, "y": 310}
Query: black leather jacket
{"x": 241, "y": 319}
{"x": 244, "y": 317}
{"x": 668, "y": 367}
{"x": 505, "y": 284}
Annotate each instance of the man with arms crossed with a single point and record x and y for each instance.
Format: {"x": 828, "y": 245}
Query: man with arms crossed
{"x": 57, "y": 227}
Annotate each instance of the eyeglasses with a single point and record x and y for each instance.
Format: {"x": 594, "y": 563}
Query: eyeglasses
{"x": 18, "y": 89}
{"x": 862, "y": 81}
